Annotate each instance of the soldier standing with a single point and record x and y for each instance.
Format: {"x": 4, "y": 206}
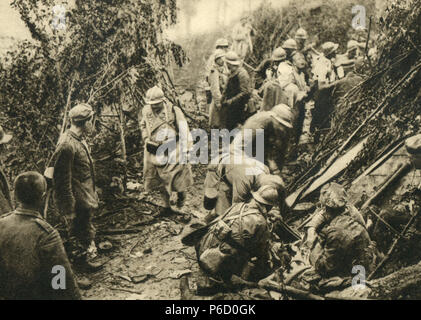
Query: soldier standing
{"x": 167, "y": 141}
{"x": 74, "y": 189}
{"x": 30, "y": 248}
{"x": 5, "y": 198}
{"x": 237, "y": 92}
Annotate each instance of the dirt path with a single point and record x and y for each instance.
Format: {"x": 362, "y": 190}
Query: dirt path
{"x": 154, "y": 257}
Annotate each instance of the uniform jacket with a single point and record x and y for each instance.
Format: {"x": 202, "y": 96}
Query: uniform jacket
{"x": 5, "y": 198}
{"x": 29, "y": 249}
{"x": 74, "y": 176}
{"x": 249, "y": 231}
{"x": 217, "y": 81}
{"x": 233, "y": 181}
{"x": 276, "y": 139}
{"x": 235, "y": 97}
{"x": 344, "y": 243}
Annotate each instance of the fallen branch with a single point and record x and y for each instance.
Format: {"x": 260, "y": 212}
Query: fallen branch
{"x": 392, "y": 247}
{"x": 124, "y": 289}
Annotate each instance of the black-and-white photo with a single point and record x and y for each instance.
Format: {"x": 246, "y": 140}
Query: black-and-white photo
{"x": 210, "y": 150}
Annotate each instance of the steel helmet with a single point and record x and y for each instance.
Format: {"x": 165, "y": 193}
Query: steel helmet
{"x": 352, "y": 44}
{"x": 219, "y": 53}
{"x": 232, "y": 58}
{"x": 279, "y": 54}
{"x": 275, "y": 181}
{"x": 333, "y": 195}
{"x": 301, "y": 34}
{"x": 283, "y": 114}
{"x": 329, "y": 47}
{"x": 267, "y": 195}
{"x": 221, "y": 42}
{"x": 290, "y": 44}
{"x": 154, "y": 95}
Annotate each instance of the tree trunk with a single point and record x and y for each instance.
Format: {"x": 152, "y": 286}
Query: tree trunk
{"x": 122, "y": 127}
{"x": 402, "y": 284}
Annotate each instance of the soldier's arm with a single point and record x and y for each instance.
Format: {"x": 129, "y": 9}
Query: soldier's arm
{"x": 215, "y": 87}
{"x": 63, "y": 179}
{"x": 143, "y": 129}
{"x": 52, "y": 254}
{"x": 330, "y": 257}
{"x": 245, "y": 89}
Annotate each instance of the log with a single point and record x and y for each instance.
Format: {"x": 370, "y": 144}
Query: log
{"x": 404, "y": 283}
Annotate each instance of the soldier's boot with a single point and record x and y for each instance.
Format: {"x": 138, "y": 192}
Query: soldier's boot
{"x": 87, "y": 265}
{"x": 181, "y": 199}
{"x": 83, "y": 282}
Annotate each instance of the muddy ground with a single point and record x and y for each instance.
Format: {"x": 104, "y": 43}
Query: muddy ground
{"x": 147, "y": 265}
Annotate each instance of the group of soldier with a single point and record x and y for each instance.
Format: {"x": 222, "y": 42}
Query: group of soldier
{"x": 245, "y": 234}
{"x": 243, "y": 231}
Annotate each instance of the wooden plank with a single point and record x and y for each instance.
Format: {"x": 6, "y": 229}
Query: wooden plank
{"x": 337, "y": 167}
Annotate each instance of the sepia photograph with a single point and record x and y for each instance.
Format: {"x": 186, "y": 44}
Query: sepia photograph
{"x": 210, "y": 155}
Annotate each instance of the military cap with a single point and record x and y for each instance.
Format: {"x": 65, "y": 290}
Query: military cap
{"x": 279, "y": 54}
{"x": 290, "y": 44}
{"x": 154, "y": 95}
{"x": 219, "y": 53}
{"x": 351, "y": 45}
{"x": 329, "y": 47}
{"x": 221, "y": 42}
{"x": 4, "y": 138}
{"x": 267, "y": 195}
{"x": 333, "y": 195}
{"x": 301, "y": 34}
{"x": 232, "y": 58}
{"x": 81, "y": 112}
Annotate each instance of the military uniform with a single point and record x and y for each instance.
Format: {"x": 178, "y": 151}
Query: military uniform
{"x": 29, "y": 249}
{"x": 276, "y": 140}
{"x": 233, "y": 182}
{"x": 5, "y": 198}
{"x": 74, "y": 190}
{"x": 223, "y": 254}
{"x": 169, "y": 170}
{"x": 235, "y": 97}
{"x": 217, "y": 81}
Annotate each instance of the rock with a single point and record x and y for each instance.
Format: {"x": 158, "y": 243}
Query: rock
{"x": 179, "y": 273}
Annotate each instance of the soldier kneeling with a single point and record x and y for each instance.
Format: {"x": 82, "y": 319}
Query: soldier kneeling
{"x": 238, "y": 243}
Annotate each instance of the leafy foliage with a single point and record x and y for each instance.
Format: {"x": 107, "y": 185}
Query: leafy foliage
{"x": 109, "y": 54}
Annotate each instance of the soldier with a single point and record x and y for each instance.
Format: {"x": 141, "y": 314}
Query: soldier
{"x": 5, "y": 198}
{"x": 273, "y": 93}
{"x": 276, "y": 125}
{"x": 220, "y": 45}
{"x": 323, "y": 64}
{"x": 328, "y": 97}
{"x": 74, "y": 189}
{"x": 31, "y": 250}
{"x": 337, "y": 236}
{"x": 301, "y": 38}
{"x": 238, "y": 239}
{"x": 217, "y": 81}
{"x": 229, "y": 182}
{"x": 237, "y": 92}
{"x": 286, "y": 71}
{"x": 241, "y": 36}
{"x": 167, "y": 140}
